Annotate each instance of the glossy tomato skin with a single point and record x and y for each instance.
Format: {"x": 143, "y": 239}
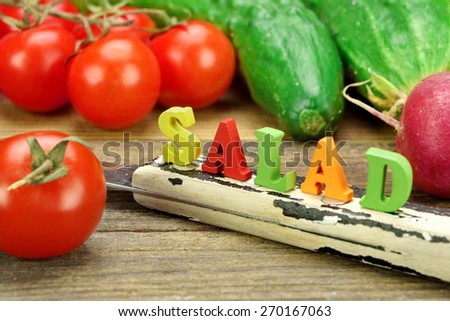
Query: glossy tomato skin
{"x": 46, "y": 220}
{"x": 197, "y": 64}
{"x": 114, "y": 82}
{"x": 33, "y": 71}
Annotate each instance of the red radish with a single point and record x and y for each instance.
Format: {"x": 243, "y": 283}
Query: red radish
{"x": 423, "y": 132}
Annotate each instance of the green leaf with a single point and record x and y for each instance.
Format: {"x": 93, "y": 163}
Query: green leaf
{"x": 56, "y": 155}
{"x": 37, "y": 153}
{"x": 77, "y": 140}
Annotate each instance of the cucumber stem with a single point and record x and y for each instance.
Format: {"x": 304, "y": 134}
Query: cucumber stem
{"x": 386, "y": 118}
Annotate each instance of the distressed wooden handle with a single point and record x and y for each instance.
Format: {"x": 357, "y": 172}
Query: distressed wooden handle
{"x": 414, "y": 240}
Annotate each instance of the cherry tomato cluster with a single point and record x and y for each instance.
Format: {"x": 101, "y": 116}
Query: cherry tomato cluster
{"x": 116, "y": 80}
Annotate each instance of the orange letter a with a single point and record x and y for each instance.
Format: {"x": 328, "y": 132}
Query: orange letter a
{"x": 326, "y": 169}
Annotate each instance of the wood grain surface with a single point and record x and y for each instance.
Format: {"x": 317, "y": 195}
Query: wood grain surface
{"x": 139, "y": 254}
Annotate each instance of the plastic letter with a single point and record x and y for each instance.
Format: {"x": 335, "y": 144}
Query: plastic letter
{"x": 402, "y": 181}
{"x": 268, "y": 174}
{"x": 226, "y": 154}
{"x": 185, "y": 147}
{"x": 326, "y": 169}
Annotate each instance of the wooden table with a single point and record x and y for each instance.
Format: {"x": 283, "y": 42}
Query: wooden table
{"x": 139, "y": 254}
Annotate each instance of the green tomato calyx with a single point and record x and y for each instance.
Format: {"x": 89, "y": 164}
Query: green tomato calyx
{"x": 46, "y": 167}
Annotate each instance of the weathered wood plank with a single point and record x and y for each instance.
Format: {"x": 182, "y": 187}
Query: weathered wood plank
{"x": 201, "y": 265}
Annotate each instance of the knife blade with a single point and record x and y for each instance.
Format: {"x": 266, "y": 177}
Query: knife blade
{"x": 414, "y": 240}
{"x": 120, "y": 179}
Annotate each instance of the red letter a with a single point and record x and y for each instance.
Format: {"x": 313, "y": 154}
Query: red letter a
{"x": 226, "y": 154}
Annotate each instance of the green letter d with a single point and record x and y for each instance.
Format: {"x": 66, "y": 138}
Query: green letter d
{"x": 402, "y": 178}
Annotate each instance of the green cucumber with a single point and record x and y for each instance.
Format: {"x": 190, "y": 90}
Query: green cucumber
{"x": 287, "y": 56}
{"x": 392, "y": 43}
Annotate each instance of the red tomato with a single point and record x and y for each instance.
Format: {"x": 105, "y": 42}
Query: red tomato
{"x": 45, "y": 220}
{"x": 141, "y": 23}
{"x": 197, "y": 64}
{"x": 9, "y": 11}
{"x": 33, "y": 69}
{"x": 80, "y": 34}
{"x": 114, "y": 82}
{"x": 64, "y": 6}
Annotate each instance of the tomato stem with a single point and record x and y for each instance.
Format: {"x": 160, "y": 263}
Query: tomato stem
{"x": 105, "y": 15}
{"x": 34, "y": 176}
{"x": 46, "y": 167}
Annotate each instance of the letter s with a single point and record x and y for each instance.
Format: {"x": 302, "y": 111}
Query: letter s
{"x": 184, "y": 148}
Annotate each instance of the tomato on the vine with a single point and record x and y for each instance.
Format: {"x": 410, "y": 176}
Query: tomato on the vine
{"x": 12, "y": 12}
{"x": 52, "y": 218}
{"x": 140, "y": 27}
{"x": 197, "y": 64}
{"x": 33, "y": 71}
{"x": 63, "y": 6}
{"x": 114, "y": 82}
